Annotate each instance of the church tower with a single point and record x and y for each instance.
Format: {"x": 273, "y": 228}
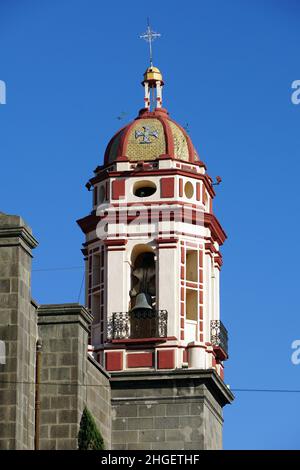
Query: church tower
{"x": 153, "y": 248}
{"x": 153, "y": 262}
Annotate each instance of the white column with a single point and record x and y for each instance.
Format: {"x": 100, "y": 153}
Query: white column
{"x": 158, "y": 94}
{"x": 216, "y": 294}
{"x": 168, "y": 287}
{"x": 116, "y": 295}
{"x": 207, "y": 297}
{"x": 147, "y": 97}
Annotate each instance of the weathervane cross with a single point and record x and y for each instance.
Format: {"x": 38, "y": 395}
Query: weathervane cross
{"x": 150, "y": 36}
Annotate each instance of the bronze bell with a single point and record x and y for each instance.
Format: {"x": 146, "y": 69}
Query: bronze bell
{"x": 141, "y": 303}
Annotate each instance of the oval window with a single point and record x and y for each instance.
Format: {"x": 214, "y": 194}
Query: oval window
{"x": 189, "y": 190}
{"x": 144, "y": 188}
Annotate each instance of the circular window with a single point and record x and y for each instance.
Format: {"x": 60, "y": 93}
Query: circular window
{"x": 144, "y": 188}
{"x": 189, "y": 190}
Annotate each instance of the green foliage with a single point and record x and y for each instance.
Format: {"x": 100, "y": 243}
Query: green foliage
{"x": 89, "y": 437}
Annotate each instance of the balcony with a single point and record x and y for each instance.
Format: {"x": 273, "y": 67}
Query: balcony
{"x": 135, "y": 326}
{"x": 219, "y": 339}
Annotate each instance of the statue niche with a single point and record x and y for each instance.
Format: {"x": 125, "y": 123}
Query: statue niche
{"x": 143, "y": 322}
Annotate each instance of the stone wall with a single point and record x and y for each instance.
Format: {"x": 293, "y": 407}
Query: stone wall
{"x": 175, "y": 410}
{"x": 63, "y": 330}
{"x": 18, "y": 331}
{"x": 70, "y": 379}
{"x": 98, "y": 398}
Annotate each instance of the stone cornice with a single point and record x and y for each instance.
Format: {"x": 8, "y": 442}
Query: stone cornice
{"x": 63, "y": 314}
{"x": 13, "y": 229}
{"x": 18, "y": 232}
{"x": 207, "y": 377}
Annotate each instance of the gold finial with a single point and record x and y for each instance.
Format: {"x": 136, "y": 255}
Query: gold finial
{"x": 153, "y": 74}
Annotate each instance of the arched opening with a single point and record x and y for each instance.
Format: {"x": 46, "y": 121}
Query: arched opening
{"x": 143, "y": 293}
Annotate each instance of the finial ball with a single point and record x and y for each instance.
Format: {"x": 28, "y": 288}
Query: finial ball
{"x": 153, "y": 74}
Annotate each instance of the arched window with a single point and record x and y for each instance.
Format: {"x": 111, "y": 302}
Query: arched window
{"x": 143, "y": 292}
{"x": 143, "y": 279}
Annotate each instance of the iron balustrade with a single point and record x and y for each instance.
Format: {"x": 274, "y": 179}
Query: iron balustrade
{"x": 219, "y": 335}
{"x": 138, "y": 324}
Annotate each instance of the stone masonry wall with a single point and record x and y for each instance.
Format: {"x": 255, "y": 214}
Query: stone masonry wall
{"x": 66, "y": 370}
{"x": 70, "y": 379}
{"x": 98, "y": 398}
{"x": 18, "y": 330}
{"x": 179, "y": 410}
{"x": 63, "y": 332}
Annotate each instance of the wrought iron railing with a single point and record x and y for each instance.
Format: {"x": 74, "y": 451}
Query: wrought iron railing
{"x": 134, "y": 325}
{"x": 219, "y": 335}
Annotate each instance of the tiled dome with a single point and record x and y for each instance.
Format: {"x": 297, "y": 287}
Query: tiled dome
{"x": 151, "y": 135}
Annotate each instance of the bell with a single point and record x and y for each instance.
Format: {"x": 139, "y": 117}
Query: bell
{"x": 141, "y": 303}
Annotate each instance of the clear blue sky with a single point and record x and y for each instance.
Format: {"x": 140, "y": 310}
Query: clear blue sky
{"x": 71, "y": 67}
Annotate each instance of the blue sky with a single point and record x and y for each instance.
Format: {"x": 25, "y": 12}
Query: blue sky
{"x": 71, "y": 67}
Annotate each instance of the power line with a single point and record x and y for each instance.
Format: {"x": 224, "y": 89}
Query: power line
{"x": 248, "y": 390}
{"x": 66, "y": 268}
{"x": 81, "y": 286}
{"x": 265, "y": 390}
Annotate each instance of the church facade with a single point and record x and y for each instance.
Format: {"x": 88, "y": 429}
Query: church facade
{"x": 146, "y": 353}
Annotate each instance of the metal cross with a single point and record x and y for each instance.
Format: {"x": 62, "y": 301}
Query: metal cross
{"x": 150, "y": 36}
{"x": 146, "y": 134}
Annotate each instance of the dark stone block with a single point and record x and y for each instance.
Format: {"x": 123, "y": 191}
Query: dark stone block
{"x": 48, "y": 444}
{"x": 121, "y": 437}
{"x": 119, "y": 424}
{"x": 48, "y": 417}
{"x": 67, "y": 444}
{"x": 177, "y": 409}
{"x": 61, "y": 403}
{"x": 4, "y": 285}
{"x": 125, "y": 411}
{"x": 140, "y": 423}
{"x": 153, "y": 409}
{"x": 67, "y": 416}
{"x": 60, "y": 430}
{"x": 171, "y": 422}
{"x": 154, "y": 435}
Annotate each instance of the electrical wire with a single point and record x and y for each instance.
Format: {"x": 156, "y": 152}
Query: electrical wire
{"x": 248, "y": 390}
{"x": 81, "y": 286}
{"x": 58, "y": 269}
{"x": 236, "y": 390}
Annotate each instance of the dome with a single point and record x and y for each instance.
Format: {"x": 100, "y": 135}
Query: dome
{"x": 153, "y": 134}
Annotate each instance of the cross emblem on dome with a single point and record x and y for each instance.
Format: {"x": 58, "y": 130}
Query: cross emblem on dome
{"x": 146, "y": 134}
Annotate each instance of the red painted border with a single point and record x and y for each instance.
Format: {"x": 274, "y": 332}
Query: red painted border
{"x": 166, "y": 359}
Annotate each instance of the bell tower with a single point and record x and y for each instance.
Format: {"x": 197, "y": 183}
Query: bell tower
{"x": 153, "y": 262}
{"x": 153, "y": 249}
